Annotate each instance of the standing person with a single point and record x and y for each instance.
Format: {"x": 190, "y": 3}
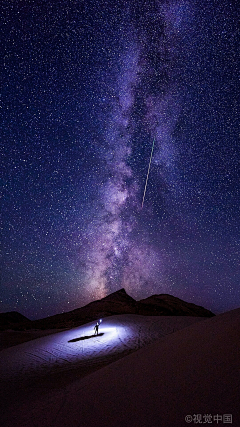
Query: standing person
{"x": 96, "y": 328}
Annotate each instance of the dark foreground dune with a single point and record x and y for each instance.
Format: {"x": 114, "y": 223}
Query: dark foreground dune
{"x": 194, "y": 371}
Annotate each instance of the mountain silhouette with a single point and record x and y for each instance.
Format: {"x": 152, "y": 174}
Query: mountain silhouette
{"x": 118, "y": 302}
{"x": 12, "y": 319}
{"x": 173, "y": 306}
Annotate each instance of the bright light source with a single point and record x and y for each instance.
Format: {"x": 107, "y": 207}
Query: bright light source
{"x": 69, "y": 346}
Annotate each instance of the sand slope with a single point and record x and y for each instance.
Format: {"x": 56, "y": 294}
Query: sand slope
{"x": 192, "y": 371}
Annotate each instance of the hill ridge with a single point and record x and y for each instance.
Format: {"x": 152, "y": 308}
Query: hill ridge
{"x": 118, "y": 302}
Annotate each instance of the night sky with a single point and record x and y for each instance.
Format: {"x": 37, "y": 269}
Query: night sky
{"x": 86, "y": 86}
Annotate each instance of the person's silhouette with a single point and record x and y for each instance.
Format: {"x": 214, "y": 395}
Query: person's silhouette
{"x": 96, "y": 328}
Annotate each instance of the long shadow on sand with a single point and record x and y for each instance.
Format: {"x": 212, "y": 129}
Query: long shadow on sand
{"x": 86, "y": 337}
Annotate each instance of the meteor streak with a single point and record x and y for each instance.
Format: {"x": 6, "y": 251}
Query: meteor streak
{"x": 148, "y": 173}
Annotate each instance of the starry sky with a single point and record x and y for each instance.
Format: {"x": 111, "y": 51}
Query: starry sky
{"x": 86, "y": 88}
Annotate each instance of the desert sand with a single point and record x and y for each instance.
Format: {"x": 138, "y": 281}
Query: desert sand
{"x": 167, "y": 368}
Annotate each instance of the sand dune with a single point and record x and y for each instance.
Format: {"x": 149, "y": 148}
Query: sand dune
{"x": 195, "y": 370}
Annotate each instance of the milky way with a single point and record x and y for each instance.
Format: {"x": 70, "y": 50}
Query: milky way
{"x": 145, "y": 106}
{"x": 88, "y": 86}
